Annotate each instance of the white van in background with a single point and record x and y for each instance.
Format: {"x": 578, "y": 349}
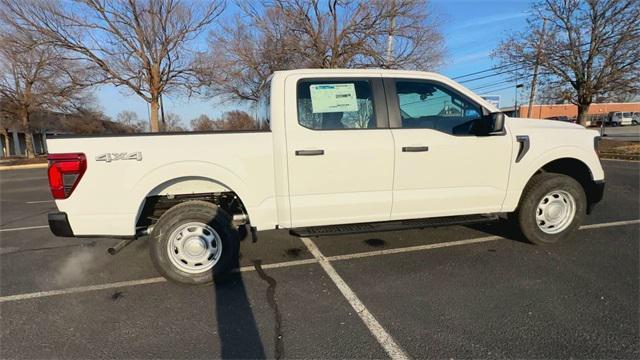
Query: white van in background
{"x": 619, "y": 118}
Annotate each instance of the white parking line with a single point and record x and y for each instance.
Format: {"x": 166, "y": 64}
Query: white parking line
{"x": 82, "y": 289}
{"x": 413, "y": 248}
{"x": 121, "y": 284}
{"x": 279, "y": 265}
{"x": 25, "y": 228}
{"x": 604, "y": 225}
{"x": 384, "y": 338}
{"x": 39, "y": 202}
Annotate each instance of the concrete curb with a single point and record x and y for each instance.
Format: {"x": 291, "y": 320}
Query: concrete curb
{"x": 26, "y": 166}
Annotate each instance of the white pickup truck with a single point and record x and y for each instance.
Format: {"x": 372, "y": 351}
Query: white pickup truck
{"x": 334, "y": 151}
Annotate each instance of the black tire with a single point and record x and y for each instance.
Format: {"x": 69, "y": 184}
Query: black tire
{"x": 194, "y": 211}
{"x": 534, "y": 192}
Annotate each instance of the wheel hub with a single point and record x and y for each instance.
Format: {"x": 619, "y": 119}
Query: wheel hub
{"x": 555, "y": 212}
{"x": 194, "y": 247}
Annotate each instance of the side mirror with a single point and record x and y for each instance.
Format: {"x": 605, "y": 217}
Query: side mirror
{"x": 496, "y": 123}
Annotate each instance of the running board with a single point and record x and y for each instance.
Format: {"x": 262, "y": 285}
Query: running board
{"x": 391, "y": 225}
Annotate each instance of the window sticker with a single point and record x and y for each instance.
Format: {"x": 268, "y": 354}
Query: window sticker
{"x": 333, "y": 98}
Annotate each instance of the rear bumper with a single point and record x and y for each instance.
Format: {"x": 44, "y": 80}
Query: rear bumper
{"x": 59, "y": 224}
{"x": 595, "y": 194}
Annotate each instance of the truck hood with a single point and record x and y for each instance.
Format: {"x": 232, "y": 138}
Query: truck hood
{"x": 524, "y": 123}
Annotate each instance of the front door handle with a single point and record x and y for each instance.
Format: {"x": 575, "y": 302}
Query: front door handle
{"x": 415, "y": 148}
{"x": 309, "y": 152}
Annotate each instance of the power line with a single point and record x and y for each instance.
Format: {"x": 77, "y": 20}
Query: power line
{"x": 491, "y": 85}
{"x": 488, "y": 76}
{"x": 482, "y": 71}
{"x": 494, "y": 90}
{"x": 498, "y": 73}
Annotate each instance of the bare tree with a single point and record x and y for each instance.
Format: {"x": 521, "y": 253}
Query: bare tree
{"x": 351, "y": 33}
{"x": 131, "y": 120}
{"x": 172, "y": 122}
{"x": 289, "y": 34}
{"x": 36, "y": 76}
{"x": 204, "y": 123}
{"x": 91, "y": 121}
{"x": 143, "y": 45}
{"x": 589, "y": 49}
{"x": 7, "y": 121}
{"x": 238, "y": 120}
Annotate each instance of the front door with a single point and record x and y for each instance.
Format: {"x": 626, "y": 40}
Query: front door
{"x": 446, "y": 163}
{"x": 339, "y": 151}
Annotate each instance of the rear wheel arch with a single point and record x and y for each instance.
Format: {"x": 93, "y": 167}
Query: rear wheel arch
{"x": 188, "y": 188}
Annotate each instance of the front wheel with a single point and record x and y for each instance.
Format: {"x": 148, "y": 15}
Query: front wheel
{"x": 193, "y": 242}
{"x": 552, "y": 207}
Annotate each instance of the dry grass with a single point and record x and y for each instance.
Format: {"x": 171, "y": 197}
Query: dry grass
{"x": 620, "y": 149}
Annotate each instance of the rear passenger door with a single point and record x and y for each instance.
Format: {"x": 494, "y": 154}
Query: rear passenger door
{"x": 339, "y": 150}
{"x": 446, "y": 162}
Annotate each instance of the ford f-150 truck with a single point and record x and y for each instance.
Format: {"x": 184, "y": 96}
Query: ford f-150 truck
{"x": 333, "y": 151}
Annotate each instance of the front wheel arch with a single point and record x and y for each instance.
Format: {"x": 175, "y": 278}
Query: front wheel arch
{"x": 577, "y": 170}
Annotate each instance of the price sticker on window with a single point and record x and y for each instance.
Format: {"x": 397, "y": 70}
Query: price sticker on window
{"x": 333, "y": 98}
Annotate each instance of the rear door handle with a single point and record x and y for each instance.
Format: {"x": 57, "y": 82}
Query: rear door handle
{"x": 309, "y": 152}
{"x": 415, "y": 148}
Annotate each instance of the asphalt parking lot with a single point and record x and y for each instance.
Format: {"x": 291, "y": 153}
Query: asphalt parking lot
{"x": 622, "y": 133}
{"x": 450, "y": 292}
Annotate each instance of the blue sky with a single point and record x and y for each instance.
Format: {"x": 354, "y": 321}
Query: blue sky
{"x": 472, "y": 29}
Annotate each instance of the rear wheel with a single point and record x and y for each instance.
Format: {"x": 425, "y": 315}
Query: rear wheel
{"x": 193, "y": 242}
{"x": 552, "y": 207}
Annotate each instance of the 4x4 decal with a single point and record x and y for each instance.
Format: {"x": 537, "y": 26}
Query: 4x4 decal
{"x": 109, "y": 157}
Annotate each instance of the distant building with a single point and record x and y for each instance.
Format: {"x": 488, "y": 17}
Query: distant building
{"x": 52, "y": 123}
{"x": 13, "y": 139}
{"x": 14, "y": 144}
{"x": 570, "y": 110}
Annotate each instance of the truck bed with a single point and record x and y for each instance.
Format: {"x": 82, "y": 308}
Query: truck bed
{"x": 122, "y": 170}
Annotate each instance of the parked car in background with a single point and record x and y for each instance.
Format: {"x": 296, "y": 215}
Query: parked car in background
{"x": 620, "y": 118}
{"x": 636, "y": 118}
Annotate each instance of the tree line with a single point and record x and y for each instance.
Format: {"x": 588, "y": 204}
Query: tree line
{"x": 230, "y": 120}
{"x": 581, "y": 51}
{"x": 55, "y": 53}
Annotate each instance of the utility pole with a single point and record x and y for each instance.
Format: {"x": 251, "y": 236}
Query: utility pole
{"x": 164, "y": 125}
{"x": 534, "y": 80}
{"x": 515, "y": 106}
{"x": 392, "y": 28}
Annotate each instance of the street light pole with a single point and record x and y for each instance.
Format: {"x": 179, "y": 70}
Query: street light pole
{"x": 515, "y": 107}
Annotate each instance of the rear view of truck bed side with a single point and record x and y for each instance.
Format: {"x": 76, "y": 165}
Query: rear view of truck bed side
{"x": 111, "y": 177}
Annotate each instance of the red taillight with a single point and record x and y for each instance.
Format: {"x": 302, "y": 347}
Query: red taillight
{"x": 65, "y": 172}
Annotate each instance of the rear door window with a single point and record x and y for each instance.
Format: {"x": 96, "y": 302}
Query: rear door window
{"x": 336, "y": 104}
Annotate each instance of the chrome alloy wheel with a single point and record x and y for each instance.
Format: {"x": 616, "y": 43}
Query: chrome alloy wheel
{"x": 194, "y": 247}
{"x": 555, "y": 212}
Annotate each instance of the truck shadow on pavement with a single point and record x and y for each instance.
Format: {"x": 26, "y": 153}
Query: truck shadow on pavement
{"x": 502, "y": 228}
{"x": 237, "y": 328}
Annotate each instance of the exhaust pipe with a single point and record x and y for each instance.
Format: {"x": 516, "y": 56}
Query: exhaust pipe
{"x": 119, "y": 246}
{"x": 240, "y": 219}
